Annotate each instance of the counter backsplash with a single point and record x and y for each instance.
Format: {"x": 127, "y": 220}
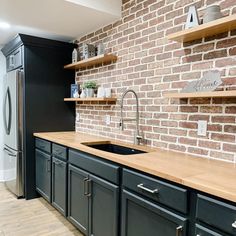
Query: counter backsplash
{"x": 151, "y": 65}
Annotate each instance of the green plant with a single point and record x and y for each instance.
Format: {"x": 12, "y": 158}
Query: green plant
{"x": 90, "y": 85}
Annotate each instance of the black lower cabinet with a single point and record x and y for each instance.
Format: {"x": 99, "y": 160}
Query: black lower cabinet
{"x": 202, "y": 231}
{"x": 92, "y": 203}
{"x": 141, "y": 217}
{"x": 78, "y": 199}
{"x": 104, "y": 203}
{"x": 59, "y": 185}
{"x": 86, "y": 190}
{"x": 43, "y": 174}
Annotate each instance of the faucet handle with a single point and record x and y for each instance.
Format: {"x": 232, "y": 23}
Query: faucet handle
{"x": 139, "y": 138}
{"x": 121, "y": 124}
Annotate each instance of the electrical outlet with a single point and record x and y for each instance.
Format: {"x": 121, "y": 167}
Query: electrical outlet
{"x": 77, "y": 117}
{"x": 108, "y": 119}
{"x": 202, "y": 128}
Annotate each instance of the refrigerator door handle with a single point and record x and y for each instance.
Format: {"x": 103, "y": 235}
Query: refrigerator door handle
{"x": 9, "y": 152}
{"x": 7, "y": 124}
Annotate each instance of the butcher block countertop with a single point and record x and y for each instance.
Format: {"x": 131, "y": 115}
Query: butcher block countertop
{"x": 214, "y": 177}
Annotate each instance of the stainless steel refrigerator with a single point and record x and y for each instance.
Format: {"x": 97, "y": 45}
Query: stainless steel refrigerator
{"x": 13, "y": 126}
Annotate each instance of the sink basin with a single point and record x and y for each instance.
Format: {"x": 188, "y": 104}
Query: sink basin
{"x": 114, "y": 148}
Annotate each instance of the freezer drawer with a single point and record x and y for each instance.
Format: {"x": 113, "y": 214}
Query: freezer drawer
{"x": 13, "y": 171}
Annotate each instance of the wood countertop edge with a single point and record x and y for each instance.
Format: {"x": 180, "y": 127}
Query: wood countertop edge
{"x": 140, "y": 162}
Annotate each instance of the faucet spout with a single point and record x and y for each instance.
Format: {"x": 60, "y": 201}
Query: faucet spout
{"x": 137, "y": 136}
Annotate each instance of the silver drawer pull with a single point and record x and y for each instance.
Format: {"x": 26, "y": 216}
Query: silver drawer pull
{"x": 141, "y": 186}
{"x": 179, "y": 230}
{"x": 234, "y": 224}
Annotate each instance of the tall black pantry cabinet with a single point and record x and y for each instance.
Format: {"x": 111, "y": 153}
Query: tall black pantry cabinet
{"x": 45, "y": 85}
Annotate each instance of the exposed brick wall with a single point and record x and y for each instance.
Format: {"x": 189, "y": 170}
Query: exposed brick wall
{"x": 152, "y": 65}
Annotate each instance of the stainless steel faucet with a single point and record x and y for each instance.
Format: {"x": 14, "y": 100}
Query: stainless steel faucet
{"x": 137, "y": 137}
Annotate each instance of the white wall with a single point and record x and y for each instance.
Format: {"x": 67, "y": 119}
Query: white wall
{"x": 2, "y": 73}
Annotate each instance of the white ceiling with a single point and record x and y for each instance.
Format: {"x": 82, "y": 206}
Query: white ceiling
{"x": 56, "y": 19}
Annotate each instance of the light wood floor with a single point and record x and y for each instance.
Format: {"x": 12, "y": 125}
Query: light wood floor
{"x": 31, "y": 218}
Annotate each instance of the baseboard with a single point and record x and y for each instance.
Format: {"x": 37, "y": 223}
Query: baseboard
{"x": 1, "y": 175}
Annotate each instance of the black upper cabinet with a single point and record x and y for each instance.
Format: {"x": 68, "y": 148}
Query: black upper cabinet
{"x": 45, "y": 85}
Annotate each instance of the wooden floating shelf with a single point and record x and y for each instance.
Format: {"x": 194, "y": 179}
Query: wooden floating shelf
{"x": 216, "y": 94}
{"x": 104, "y": 58}
{"x": 208, "y": 29}
{"x": 90, "y": 99}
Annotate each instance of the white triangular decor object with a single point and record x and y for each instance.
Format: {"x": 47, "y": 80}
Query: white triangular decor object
{"x": 192, "y": 18}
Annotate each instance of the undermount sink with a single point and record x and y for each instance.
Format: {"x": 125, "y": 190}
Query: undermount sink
{"x": 114, "y": 148}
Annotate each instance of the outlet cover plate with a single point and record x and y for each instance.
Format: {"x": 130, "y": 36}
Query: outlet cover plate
{"x": 202, "y": 128}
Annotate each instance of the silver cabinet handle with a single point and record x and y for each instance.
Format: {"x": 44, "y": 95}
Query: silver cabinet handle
{"x": 85, "y": 186}
{"x": 179, "y": 230}
{"x": 141, "y": 186}
{"x": 234, "y": 224}
{"x": 89, "y": 184}
{"x": 11, "y": 60}
{"x": 48, "y": 165}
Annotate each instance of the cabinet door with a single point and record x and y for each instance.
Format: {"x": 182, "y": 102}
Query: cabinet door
{"x": 103, "y": 207}
{"x": 78, "y": 200}
{"x": 59, "y": 185}
{"x": 43, "y": 174}
{"x": 141, "y": 218}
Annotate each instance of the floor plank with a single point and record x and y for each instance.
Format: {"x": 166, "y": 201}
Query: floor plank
{"x": 31, "y": 218}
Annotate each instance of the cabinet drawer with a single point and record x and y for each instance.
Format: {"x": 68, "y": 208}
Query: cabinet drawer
{"x": 202, "y": 231}
{"x": 43, "y": 145}
{"x": 59, "y": 151}
{"x": 217, "y": 214}
{"x": 162, "y": 192}
{"x": 94, "y": 165}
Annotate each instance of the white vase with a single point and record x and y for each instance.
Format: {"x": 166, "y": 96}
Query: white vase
{"x": 83, "y": 94}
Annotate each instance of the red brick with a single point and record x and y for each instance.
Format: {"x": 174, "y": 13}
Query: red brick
{"x": 209, "y": 144}
{"x": 229, "y": 147}
{"x": 230, "y": 129}
{"x": 215, "y": 54}
{"x": 211, "y": 109}
{"x": 223, "y": 137}
{"x": 188, "y": 125}
{"x": 198, "y": 151}
{"x": 203, "y": 48}
{"x": 191, "y": 109}
{"x": 230, "y": 110}
{"x": 223, "y": 119}
{"x": 188, "y": 141}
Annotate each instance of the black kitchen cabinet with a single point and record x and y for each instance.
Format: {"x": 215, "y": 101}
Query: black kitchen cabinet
{"x": 93, "y": 203}
{"x": 43, "y": 174}
{"x": 141, "y": 217}
{"x": 87, "y": 189}
{"x": 78, "y": 200}
{"x": 94, "y": 188}
{"x": 104, "y": 207}
{"x": 45, "y": 84}
{"x": 59, "y": 185}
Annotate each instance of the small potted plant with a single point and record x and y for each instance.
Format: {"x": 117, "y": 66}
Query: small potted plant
{"x": 89, "y": 87}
